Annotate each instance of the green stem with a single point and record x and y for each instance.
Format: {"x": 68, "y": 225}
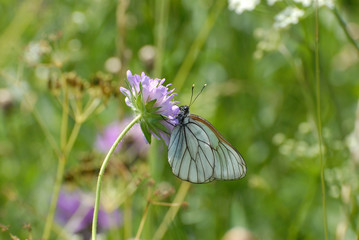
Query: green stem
{"x": 172, "y": 212}
{"x": 90, "y": 109}
{"x": 162, "y": 9}
{"x": 11, "y": 37}
{"x": 55, "y": 196}
{"x": 143, "y": 220}
{"x": 343, "y": 24}
{"x": 60, "y": 167}
{"x": 72, "y": 138}
{"x": 121, "y": 23}
{"x": 197, "y": 45}
{"x": 102, "y": 171}
{"x": 127, "y": 214}
{"x": 319, "y": 122}
{"x": 64, "y": 120}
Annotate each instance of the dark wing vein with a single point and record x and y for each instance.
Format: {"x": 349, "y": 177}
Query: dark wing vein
{"x": 193, "y": 163}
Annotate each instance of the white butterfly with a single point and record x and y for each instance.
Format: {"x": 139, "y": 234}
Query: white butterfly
{"x": 198, "y": 153}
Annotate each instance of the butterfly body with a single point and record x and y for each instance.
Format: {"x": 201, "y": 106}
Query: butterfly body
{"x": 198, "y": 153}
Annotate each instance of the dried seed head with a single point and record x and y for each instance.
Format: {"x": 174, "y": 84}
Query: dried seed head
{"x": 72, "y": 79}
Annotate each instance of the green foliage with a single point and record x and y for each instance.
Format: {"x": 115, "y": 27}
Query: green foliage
{"x": 261, "y": 96}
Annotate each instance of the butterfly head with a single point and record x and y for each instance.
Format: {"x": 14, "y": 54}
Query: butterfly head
{"x": 184, "y": 112}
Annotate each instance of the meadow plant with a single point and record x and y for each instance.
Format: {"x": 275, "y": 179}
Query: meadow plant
{"x": 264, "y": 56}
{"x": 154, "y": 109}
{"x": 79, "y": 100}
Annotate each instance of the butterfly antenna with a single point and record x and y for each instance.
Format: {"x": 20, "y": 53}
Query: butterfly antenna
{"x": 197, "y": 94}
{"x": 190, "y": 102}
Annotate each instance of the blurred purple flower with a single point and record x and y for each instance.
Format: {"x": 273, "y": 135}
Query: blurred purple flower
{"x": 134, "y": 141}
{"x": 75, "y": 212}
{"x": 154, "y": 101}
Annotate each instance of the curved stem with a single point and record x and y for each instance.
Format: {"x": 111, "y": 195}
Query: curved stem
{"x": 102, "y": 171}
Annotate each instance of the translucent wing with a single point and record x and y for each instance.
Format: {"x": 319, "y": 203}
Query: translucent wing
{"x": 198, "y": 153}
{"x": 190, "y": 154}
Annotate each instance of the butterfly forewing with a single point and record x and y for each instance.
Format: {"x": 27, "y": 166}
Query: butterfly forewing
{"x": 198, "y": 153}
{"x": 190, "y": 154}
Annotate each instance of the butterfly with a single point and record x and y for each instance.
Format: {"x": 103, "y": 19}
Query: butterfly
{"x": 198, "y": 153}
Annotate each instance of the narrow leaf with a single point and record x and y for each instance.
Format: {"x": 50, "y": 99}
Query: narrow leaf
{"x": 146, "y": 131}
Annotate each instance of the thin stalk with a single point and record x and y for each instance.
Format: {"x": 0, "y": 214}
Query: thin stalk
{"x": 162, "y": 9}
{"x": 319, "y": 122}
{"x": 10, "y": 38}
{"x": 127, "y": 214}
{"x": 90, "y": 109}
{"x": 166, "y": 204}
{"x": 102, "y": 171}
{"x": 60, "y": 167}
{"x": 143, "y": 220}
{"x": 172, "y": 212}
{"x": 344, "y": 26}
{"x": 121, "y": 23}
{"x": 72, "y": 138}
{"x": 198, "y": 44}
{"x": 54, "y": 198}
{"x": 64, "y": 120}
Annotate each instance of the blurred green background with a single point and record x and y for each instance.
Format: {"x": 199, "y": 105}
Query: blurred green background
{"x": 261, "y": 96}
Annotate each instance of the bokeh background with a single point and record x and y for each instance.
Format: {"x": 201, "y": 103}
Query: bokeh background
{"x": 61, "y": 66}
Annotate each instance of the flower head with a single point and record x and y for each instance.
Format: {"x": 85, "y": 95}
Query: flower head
{"x": 239, "y": 6}
{"x": 154, "y": 101}
{"x": 321, "y": 3}
{"x": 75, "y": 212}
{"x": 288, "y": 16}
{"x": 134, "y": 142}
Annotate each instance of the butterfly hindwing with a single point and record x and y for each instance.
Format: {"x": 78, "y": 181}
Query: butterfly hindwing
{"x": 229, "y": 164}
{"x": 198, "y": 153}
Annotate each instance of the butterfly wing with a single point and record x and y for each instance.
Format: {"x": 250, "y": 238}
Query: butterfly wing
{"x": 190, "y": 154}
{"x": 229, "y": 163}
{"x": 198, "y": 153}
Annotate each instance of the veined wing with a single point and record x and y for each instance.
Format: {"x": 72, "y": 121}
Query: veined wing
{"x": 229, "y": 163}
{"x": 190, "y": 154}
{"x": 198, "y": 153}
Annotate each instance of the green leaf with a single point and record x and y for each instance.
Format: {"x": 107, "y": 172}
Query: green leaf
{"x": 153, "y": 118}
{"x": 149, "y": 106}
{"x": 146, "y": 131}
{"x": 130, "y": 89}
{"x": 153, "y": 128}
{"x": 139, "y": 103}
{"x": 161, "y": 127}
{"x": 141, "y": 89}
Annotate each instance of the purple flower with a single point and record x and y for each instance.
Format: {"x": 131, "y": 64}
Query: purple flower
{"x": 134, "y": 141}
{"x": 75, "y": 212}
{"x": 154, "y": 101}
